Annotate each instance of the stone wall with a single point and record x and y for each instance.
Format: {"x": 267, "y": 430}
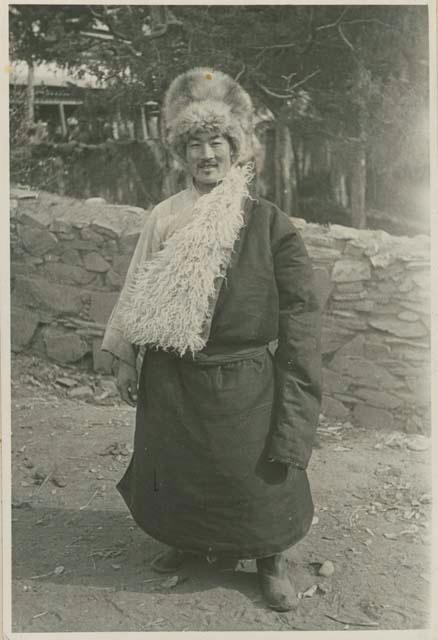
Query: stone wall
{"x": 69, "y": 259}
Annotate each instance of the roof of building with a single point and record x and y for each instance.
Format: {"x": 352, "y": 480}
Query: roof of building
{"x": 51, "y": 75}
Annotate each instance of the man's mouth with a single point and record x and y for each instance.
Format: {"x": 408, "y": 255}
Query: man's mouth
{"x": 208, "y": 166}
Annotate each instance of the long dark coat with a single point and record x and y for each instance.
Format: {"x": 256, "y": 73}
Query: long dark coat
{"x": 199, "y": 478}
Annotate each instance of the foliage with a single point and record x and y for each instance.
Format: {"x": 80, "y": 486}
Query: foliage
{"x": 353, "y": 74}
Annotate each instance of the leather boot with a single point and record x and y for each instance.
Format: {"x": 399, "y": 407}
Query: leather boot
{"x": 275, "y": 583}
{"x": 168, "y": 561}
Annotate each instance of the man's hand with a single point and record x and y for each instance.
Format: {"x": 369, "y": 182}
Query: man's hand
{"x": 127, "y": 382}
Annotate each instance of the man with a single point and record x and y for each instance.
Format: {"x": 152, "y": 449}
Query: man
{"x": 224, "y": 429}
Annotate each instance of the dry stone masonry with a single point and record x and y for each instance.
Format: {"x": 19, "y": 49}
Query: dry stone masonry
{"x": 69, "y": 259}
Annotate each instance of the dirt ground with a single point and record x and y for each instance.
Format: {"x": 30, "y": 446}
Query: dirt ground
{"x": 80, "y": 563}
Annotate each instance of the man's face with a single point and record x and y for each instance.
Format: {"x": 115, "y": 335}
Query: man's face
{"x": 209, "y": 159}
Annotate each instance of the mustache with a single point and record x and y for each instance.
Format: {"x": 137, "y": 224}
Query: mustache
{"x": 207, "y": 163}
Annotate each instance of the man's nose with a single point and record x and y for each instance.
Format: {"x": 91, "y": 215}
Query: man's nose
{"x": 207, "y": 151}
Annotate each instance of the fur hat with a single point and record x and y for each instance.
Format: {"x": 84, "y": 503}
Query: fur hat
{"x": 205, "y": 99}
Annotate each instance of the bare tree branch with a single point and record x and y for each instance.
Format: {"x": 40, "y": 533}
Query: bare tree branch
{"x": 345, "y": 39}
{"x": 333, "y": 24}
{"x": 322, "y": 27}
{"x": 301, "y": 82}
{"x": 241, "y": 72}
{"x": 286, "y": 96}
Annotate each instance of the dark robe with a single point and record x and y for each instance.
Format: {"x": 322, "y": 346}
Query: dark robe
{"x": 200, "y": 478}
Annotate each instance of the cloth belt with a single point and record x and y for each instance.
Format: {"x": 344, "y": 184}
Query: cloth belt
{"x": 226, "y": 355}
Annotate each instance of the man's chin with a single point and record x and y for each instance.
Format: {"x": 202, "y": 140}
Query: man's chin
{"x": 212, "y": 177}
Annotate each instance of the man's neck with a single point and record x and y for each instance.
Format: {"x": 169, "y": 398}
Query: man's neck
{"x": 204, "y": 188}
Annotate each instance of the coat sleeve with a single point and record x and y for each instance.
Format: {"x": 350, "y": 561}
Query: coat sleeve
{"x": 298, "y": 355}
{"x": 114, "y": 341}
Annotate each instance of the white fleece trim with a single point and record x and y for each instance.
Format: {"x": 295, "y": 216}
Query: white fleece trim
{"x": 168, "y": 300}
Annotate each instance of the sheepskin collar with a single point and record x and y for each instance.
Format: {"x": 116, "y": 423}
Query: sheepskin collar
{"x": 171, "y": 297}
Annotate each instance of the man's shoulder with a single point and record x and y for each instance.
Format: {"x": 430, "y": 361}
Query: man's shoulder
{"x": 278, "y": 219}
{"x": 167, "y": 205}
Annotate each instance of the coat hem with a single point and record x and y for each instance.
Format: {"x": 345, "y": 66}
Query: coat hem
{"x": 203, "y": 549}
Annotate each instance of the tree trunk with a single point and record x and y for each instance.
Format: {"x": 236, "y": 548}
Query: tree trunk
{"x": 285, "y": 181}
{"x": 30, "y": 94}
{"x": 358, "y": 189}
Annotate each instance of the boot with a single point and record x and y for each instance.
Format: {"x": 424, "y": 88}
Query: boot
{"x": 168, "y": 561}
{"x": 275, "y": 583}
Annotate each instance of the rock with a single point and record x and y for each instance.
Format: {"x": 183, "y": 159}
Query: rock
{"x": 349, "y": 287}
{"x": 37, "y": 292}
{"x": 364, "y": 305}
{"x": 39, "y": 475}
{"x": 333, "y": 382}
{"x": 37, "y": 241}
{"x": 64, "y": 346}
{"x": 72, "y": 256}
{"x": 128, "y": 242}
{"x": 420, "y": 387}
{"x": 382, "y": 260}
{"x": 327, "y": 569}
{"x": 32, "y": 261}
{"x": 379, "y": 297}
{"x": 385, "y": 287}
{"x": 95, "y": 262}
{"x": 110, "y": 247}
{"x": 408, "y": 316}
{"x": 109, "y": 387}
{"x": 19, "y": 269}
{"x": 83, "y": 245}
{"x": 81, "y": 392}
{"x": 376, "y": 351}
{"x": 385, "y": 309}
{"x": 422, "y": 279}
{"x": 406, "y": 285}
{"x": 364, "y": 373}
{"x": 323, "y": 254}
{"x": 323, "y": 286}
{"x": 65, "y": 236}
{"x": 102, "y": 360}
{"x": 102, "y": 305}
{"x": 69, "y": 274}
{"x": 342, "y": 233}
{"x": 332, "y": 408}
{"x": 92, "y": 236}
{"x": 60, "y": 226}
{"x": 351, "y": 251}
{"x": 350, "y": 321}
{"x": 59, "y": 480}
{"x": 398, "y": 327}
{"x": 348, "y": 270}
{"x": 423, "y": 308}
{"x": 121, "y": 264}
{"x": 359, "y": 295}
{"x": 38, "y": 218}
{"x": 410, "y": 353}
{"x": 378, "y": 398}
{"x": 334, "y": 336}
{"x": 354, "y": 347}
{"x": 370, "y": 417}
{"x": 113, "y": 280}
{"x": 346, "y": 398}
{"x": 13, "y": 208}
{"x": 23, "y": 193}
{"x": 66, "y": 382}
{"x": 94, "y": 201}
{"x": 24, "y": 323}
{"x": 51, "y": 257}
{"x": 417, "y": 443}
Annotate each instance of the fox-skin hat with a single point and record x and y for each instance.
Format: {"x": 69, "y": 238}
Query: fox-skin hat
{"x": 204, "y": 99}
